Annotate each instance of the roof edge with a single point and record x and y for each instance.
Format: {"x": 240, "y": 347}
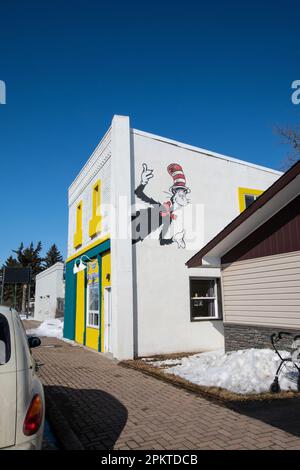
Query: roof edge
{"x": 204, "y": 151}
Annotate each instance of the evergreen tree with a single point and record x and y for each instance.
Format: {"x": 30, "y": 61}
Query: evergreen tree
{"x": 12, "y": 262}
{"x": 30, "y": 257}
{"x": 53, "y": 256}
{"x": 26, "y": 257}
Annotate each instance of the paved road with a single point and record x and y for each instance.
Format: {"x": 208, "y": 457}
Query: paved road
{"x": 111, "y": 407}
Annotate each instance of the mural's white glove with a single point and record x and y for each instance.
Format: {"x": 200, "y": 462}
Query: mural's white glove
{"x": 146, "y": 174}
{"x": 179, "y": 239}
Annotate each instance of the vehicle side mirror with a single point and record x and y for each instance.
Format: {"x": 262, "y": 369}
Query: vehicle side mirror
{"x": 34, "y": 341}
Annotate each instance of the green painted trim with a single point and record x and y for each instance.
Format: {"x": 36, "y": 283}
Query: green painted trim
{"x": 99, "y": 257}
{"x": 93, "y": 252}
{"x": 70, "y": 302}
{"x": 87, "y": 247}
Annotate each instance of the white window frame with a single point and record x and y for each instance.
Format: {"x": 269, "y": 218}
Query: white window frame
{"x": 93, "y": 312}
{"x": 216, "y": 299}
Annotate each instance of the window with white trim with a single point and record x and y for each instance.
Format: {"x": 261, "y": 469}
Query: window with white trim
{"x": 205, "y": 299}
{"x": 93, "y": 316}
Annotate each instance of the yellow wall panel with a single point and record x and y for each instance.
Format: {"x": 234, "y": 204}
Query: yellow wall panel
{"x": 92, "y": 338}
{"x": 80, "y": 299}
{"x": 95, "y": 222}
{"x": 78, "y": 235}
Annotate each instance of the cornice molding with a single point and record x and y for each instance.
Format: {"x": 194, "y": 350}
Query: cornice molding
{"x": 97, "y": 160}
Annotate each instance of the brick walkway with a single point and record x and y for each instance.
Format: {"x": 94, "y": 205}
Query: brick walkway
{"x": 111, "y": 407}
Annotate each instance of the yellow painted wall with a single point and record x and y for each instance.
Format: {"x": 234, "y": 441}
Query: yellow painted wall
{"x": 92, "y": 337}
{"x": 95, "y": 222}
{"x": 105, "y": 283}
{"x": 80, "y": 298}
{"x": 92, "y": 334}
{"x": 78, "y": 235}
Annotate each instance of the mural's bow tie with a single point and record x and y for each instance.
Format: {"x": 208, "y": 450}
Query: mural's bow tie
{"x": 167, "y": 212}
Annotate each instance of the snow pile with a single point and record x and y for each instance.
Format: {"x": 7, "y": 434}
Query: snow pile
{"x": 23, "y": 316}
{"x": 165, "y": 363}
{"x": 51, "y": 328}
{"x": 244, "y": 372}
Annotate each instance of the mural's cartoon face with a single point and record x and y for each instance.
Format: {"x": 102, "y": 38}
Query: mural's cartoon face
{"x": 180, "y": 197}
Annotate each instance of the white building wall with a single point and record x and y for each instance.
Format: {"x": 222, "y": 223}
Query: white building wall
{"x": 49, "y": 287}
{"x": 121, "y": 249}
{"x": 162, "y": 279}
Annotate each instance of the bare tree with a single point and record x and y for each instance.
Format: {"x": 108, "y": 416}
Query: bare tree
{"x": 291, "y": 136}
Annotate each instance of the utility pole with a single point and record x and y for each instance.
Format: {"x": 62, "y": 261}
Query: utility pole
{"x": 24, "y": 288}
{"x": 28, "y": 305}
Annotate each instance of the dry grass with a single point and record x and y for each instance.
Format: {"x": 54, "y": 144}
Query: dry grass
{"x": 164, "y": 357}
{"x": 218, "y": 394}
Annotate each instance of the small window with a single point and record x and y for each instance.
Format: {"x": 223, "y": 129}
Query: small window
{"x": 93, "y": 305}
{"x": 249, "y": 198}
{"x": 4, "y": 340}
{"x": 204, "y": 299}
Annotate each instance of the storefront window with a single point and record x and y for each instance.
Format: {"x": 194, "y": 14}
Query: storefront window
{"x": 93, "y": 316}
{"x": 93, "y": 295}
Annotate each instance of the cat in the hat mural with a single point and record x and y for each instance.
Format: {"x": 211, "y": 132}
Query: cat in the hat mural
{"x": 161, "y": 216}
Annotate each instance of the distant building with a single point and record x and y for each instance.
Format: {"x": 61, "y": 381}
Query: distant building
{"x": 128, "y": 290}
{"x": 259, "y": 257}
{"x": 49, "y": 293}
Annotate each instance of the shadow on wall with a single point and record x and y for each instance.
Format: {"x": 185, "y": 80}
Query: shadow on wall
{"x": 218, "y": 325}
{"x": 95, "y": 417}
{"x": 280, "y": 413}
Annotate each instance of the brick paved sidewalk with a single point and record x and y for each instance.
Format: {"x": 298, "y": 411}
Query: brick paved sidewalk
{"x": 111, "y": 407}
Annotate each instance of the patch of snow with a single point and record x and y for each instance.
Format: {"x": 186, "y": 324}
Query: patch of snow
{"x": 51, "y": 328}
{"x": 165, "y": 363}
{"x": 71, "y": 342}
{"x": 244, "y": 372}
{"x": 23, "y": 316}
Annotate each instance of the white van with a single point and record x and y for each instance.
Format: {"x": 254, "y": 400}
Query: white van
{"x": 22, "y": 403}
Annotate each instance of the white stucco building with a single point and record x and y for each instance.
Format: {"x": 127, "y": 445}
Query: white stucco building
{"x": 49, "y": 293}
{"x": 128, "y": 290}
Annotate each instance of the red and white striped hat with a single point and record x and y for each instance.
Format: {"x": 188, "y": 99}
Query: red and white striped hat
{"x": 175, "y": 170}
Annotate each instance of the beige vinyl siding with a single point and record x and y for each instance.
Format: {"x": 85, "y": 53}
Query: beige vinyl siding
{"x": 263, "y": 291}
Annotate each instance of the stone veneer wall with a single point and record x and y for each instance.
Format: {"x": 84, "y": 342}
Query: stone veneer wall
{"x": 253, "y": 336}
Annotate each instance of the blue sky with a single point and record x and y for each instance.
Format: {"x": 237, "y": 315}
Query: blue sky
{"x": 212, "y": 74}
